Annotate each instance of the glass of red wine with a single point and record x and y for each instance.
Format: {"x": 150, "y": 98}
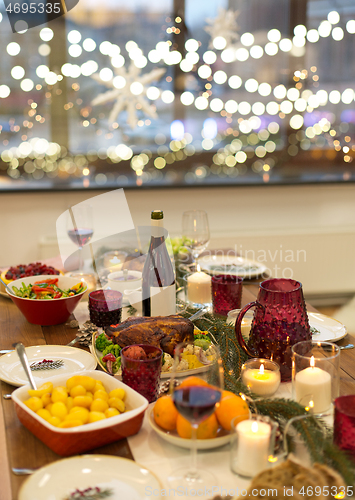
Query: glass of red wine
{"x": 195, "y": 399}
{"x": 80, "y": 227}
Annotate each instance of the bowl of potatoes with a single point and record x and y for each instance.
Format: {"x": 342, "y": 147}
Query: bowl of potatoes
{"x": 75, "y": 414}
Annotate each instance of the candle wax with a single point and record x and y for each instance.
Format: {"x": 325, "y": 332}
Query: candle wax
{"x": 199, "y": 288}
{"x": 253, "y": 441}
{"x": 262, "y": 384}
{"x": 314, "y": 384}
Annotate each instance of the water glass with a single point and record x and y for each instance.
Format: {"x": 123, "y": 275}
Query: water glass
{"x": 143, "y": 375}
{"x": 226, "y": 293}
{"x": 105, "y": 307}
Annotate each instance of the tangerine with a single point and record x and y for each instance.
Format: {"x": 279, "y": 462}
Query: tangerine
{"x": 207, "y": 429}
{"x": 165, "y": 413}
{"x": 192, "y": 381}
{"x": 231, "y": 407}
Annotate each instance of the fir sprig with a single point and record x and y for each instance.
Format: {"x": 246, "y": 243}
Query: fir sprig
{"x": 317, "y": 437}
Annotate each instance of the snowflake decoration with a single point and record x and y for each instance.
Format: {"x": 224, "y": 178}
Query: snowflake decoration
{"x": 130, "y": 95}
{"x": 224, "y": 26}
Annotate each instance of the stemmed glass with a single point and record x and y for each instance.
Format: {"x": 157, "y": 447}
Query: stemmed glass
{"x": 80, "y": 227}
{"x": 196, "y": 401}
{"x": 195, "y": 231}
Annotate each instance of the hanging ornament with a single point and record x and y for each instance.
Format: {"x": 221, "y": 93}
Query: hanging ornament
{"x": 129, "y": 90}
{"x": 223, "y": 29}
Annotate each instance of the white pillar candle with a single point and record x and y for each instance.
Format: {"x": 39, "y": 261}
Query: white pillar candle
{"x": 199, "y": 288}
{"x": 260, "y": 381}
{"x": 313, "y": 388}
{"x": 253, "y": 442}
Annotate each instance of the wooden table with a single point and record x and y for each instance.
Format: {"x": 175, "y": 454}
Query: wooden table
{"x": 22, "y": 448}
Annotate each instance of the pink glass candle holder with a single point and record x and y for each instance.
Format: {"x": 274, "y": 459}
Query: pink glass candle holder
{"x": 226, "y": 293}
{"x": 142, "y": 375}
{"x": 105, "y": 307}
{"x": 344, "y": 423}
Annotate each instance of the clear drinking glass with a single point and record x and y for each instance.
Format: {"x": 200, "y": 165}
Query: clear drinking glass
{"x": 196, "y": 401}
{"x": 80, "y": 227}
{"x": 195, "y": 231}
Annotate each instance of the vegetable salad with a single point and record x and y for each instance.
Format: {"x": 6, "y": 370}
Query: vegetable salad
{"x": 47, "y": 289}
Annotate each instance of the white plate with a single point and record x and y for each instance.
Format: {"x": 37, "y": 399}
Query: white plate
{"x": 125, "y": 478}
{"x": 164, "y": 375}
{"x": 75, "y": 360}
{"x": 230, "y": 264}
{"x": 223, "y": 437}
{"x": 330, "y": 330}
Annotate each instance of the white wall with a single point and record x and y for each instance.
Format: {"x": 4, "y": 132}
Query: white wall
{"x": 318, "y": 220}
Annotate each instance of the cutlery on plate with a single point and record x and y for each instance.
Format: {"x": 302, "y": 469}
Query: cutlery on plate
{"x": 7, "y": 396}
{"x": 347, "y": 346}
{"x": 5, "y": 351}
{"x": 22, "y": 471}
{"x": 72, "y": 342}
{"x": 20, "y": 349}
{"x": 198, "y": 314}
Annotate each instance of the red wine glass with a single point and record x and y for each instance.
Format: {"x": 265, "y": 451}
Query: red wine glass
{"x": 80, "y": 227}
{"x": 196, "y": 400}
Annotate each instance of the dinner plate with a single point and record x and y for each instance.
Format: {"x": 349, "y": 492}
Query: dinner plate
{"x": 231, "y": 264}
{"x": 164, "y": 375}
{"x": 223, "y": 436}
{"x": 75, "y": 360}
{"x": 124, "y": 478}
{"x": 330, "y": 329}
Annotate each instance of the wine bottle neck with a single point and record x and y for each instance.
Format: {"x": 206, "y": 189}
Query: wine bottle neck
{"x": 157, "y": 228}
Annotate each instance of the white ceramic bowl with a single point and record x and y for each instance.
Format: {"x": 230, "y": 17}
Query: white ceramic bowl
{"x": 77, "y": 440}
{"x": 118, "y": 281}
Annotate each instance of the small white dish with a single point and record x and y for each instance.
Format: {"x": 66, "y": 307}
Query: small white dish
{"x": 122, "y": 281}
{"x": 125, "y": 478}
{"x": 75, "y": 360}
{"x": 223, "y": 437}
{"x": 330, "y": 329}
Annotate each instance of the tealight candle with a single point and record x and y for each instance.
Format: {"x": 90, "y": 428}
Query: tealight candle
{"x": 114, "y": 260}
{"x": 261, "y": 376}
{"x": 252, "y": 450}
{"x": 313, "y": 386}
{"x": 199, "y": 288}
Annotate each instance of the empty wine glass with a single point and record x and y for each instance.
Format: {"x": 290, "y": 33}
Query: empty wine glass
{"x": 195, "y": 399}
{"x": 80, "y": 227}
{"x": 195, "y": 231}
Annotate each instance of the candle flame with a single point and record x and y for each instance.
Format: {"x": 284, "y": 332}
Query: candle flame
{"x": 115, "y": 260}
{"x": 261, "y": 371}
{"x": 254, "y": 427}
{"x": 198, "y": 268}
{"x": 312, "y": 361}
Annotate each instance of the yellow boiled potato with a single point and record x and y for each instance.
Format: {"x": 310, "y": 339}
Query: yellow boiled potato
{"x": 46, "y": 399}
{"x": 111, "y": 412}
{"x": 70, "y": 403}
{"x": 48, "y": 407}
{"x": 98, "y": 386}
{"x": 54, "y": 421}
{"x": 95, "y": 416}
{"x": 70, "y": 423}
{"x": 59, "y": 410}
{"x": 101, "y": 394}
{"x": 77, "y": 390}
{"x": 59, "y": 393}
{"x": 88, "y": 382}
{"x": 84, "y": 401}
{"x": 117, "y": 403}
{"x": 118, "y": 393}
{"x": 73, "y": 381}
{"x": 45, "y": 388}
{"x": 78, "y": 413}
{"x": 90, "y": 395}
{"x": 99, "y": 405}
{"x": 34, "y": 403}
{"x": 45, "y": 414}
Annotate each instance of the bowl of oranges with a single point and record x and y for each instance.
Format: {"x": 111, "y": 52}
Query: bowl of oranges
{"x": 212, "y": 432}
{"x": 76, "y": 414}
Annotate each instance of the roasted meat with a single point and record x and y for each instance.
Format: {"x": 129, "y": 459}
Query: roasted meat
{"x": 161, "y": 331}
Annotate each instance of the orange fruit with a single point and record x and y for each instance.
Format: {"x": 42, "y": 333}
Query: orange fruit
{"x": 207, "y": 429}
{"x": 165, "y": 413}
{"x": 192, "y": 381}
{"x": 231, "y": 406}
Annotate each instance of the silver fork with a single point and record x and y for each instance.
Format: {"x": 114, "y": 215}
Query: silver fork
{"x": 22, "y": 471}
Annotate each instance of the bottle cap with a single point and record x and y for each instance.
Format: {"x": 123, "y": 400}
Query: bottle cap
{"x": 157, "y": 214}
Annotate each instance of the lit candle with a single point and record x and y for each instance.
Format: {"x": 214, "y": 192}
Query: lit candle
{"x": 314, "y": 388}
{"x": 260, "y": 381}
{"x": 89, "y": 279}
{"x": 199, "y": 288}
{"x": 253, "y": 442}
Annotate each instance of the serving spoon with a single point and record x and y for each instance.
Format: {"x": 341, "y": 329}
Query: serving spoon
{"x": 21, "y": 352}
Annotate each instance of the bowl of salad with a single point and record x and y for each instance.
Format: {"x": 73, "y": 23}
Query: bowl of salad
{"x": 47, "y": 300}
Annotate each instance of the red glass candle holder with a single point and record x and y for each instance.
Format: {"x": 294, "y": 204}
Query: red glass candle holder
{"x": 105, "y": 307}
{"x": 344, "y": 424}
{"x": 143, "y": 375}
{"x": 226, "y": 293}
